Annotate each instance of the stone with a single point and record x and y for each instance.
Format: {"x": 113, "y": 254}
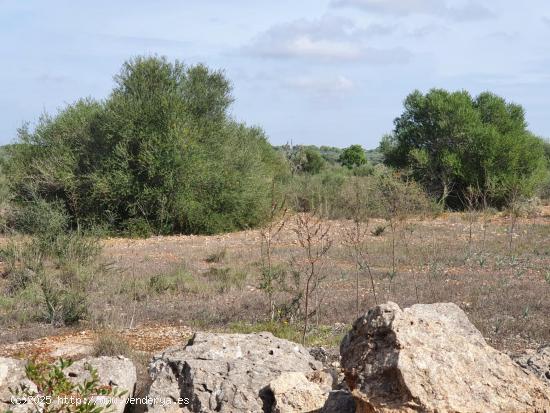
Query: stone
{"x": 224, "y": 372}
{"x": 117, "y": 372}
{"x": 298, "y": 392}
{"x": 13, "y": 376}
{"x": 339, "y": 401}
{"x": 537, "y": 363}
{"x": 329, "y": 357}
{"x": 430, "y": 358}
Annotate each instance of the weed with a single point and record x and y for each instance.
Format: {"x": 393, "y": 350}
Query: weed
{"x": 217, "y": 256}
{"x": 53, "y": 384}
{"x": 378, "y": 230}
{"x": 58, "y": 268}
{"x": 110, "y": 343}
{"x": 224, "y": 279}
{"x": 176, "y": 281}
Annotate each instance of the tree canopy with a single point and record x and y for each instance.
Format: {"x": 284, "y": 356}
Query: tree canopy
{"x": 450, "y": 141}
{"x": 353, "y": 156}
{"x": 159, "y": 155}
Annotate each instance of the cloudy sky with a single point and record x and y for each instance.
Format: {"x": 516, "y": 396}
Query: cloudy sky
{"x": 326, "y": 72}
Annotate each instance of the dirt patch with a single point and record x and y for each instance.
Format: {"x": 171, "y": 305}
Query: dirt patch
{"x": 145, "y": 338}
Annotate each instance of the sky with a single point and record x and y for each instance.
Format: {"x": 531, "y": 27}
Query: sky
{"x": 324, "y": 72}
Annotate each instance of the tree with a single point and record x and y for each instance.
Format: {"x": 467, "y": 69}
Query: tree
{"x": 353, "y": 156}
{"x": 313, "y": 162}
{"x": 451, "y": 141}
{"x": 159, "y": 155}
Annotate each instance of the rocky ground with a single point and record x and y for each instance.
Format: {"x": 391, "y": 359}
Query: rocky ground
{"x": 426, "y": 358}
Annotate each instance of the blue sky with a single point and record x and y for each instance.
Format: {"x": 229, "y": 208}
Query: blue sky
{"x": 325, "y": 72}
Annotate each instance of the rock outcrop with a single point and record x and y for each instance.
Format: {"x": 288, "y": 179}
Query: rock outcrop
{"x": 430, "y": 358}
{"x": 224, "y": 372}
{"x": 116, "y": 372}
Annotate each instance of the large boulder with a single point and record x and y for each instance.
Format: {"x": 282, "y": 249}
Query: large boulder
{"x": 224, "y": 373}
{"x": 430, "y": 358}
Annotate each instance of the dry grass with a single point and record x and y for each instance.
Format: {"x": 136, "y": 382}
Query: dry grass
{"x": 506, "y": 293}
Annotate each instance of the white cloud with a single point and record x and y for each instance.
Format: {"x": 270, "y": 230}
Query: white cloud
{"x": 398, "y": 7}
{"x": 321, "y": 85}
{"x": 306, "y": 46}
{"x": 328, "y": 38}
{"x": 466, "y": 11}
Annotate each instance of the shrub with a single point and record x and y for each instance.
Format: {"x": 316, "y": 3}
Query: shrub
{"x": 329, "y": 193}
{"x": 177, "y": 280}
{"x": 52, "y": 275}
{"x": 160, "y": 155}
{"x": 451, "y": 141}
{"x": 353, "y": 156}
{"x": 37, "y": 216}
{"x": 110, "y": 343}
{"x": 379, "y": 230}
{"x": 224, "y": 279}
{"x": 64, "y": 304}
{"x": 216, "y": 256}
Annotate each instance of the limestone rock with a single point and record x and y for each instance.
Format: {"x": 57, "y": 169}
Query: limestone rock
{"x": 13, "y": 376}
{"x": 430, "y": 358}
{"x": 224, "y": 372}
{"x": 537, "y": 363}
{"x": 117, "y": 372}
{"x": 297, "y": 392}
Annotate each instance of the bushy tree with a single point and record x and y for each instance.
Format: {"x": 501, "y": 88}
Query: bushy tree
{"x": 353, "y": 156}
{"x": 450, "y": 141}
{"x": 159, "y": 155}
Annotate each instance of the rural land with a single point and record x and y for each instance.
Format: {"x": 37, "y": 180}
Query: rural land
{"x": 159, "y": 255}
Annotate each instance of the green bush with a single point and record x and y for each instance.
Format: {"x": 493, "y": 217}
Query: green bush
{"x": 160, "y": 155}
{"x": 353, "y": 156}
{"x": 451, "y": 142}
{"x": 49, "y": 276}
{"x": 63, "y": 304}
{"x": 38, "y": 216}
{"x": 333, "y": 193}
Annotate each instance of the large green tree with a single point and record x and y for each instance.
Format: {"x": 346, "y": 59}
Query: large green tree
{"x": 159, "y": 155}
{"x": 450, "y": 141}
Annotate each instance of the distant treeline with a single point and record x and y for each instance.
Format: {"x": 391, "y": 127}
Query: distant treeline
{"x": 161, "y": 155}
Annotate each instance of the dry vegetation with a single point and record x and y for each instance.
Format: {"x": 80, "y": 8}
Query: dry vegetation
{"x": 213, "y": 282}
